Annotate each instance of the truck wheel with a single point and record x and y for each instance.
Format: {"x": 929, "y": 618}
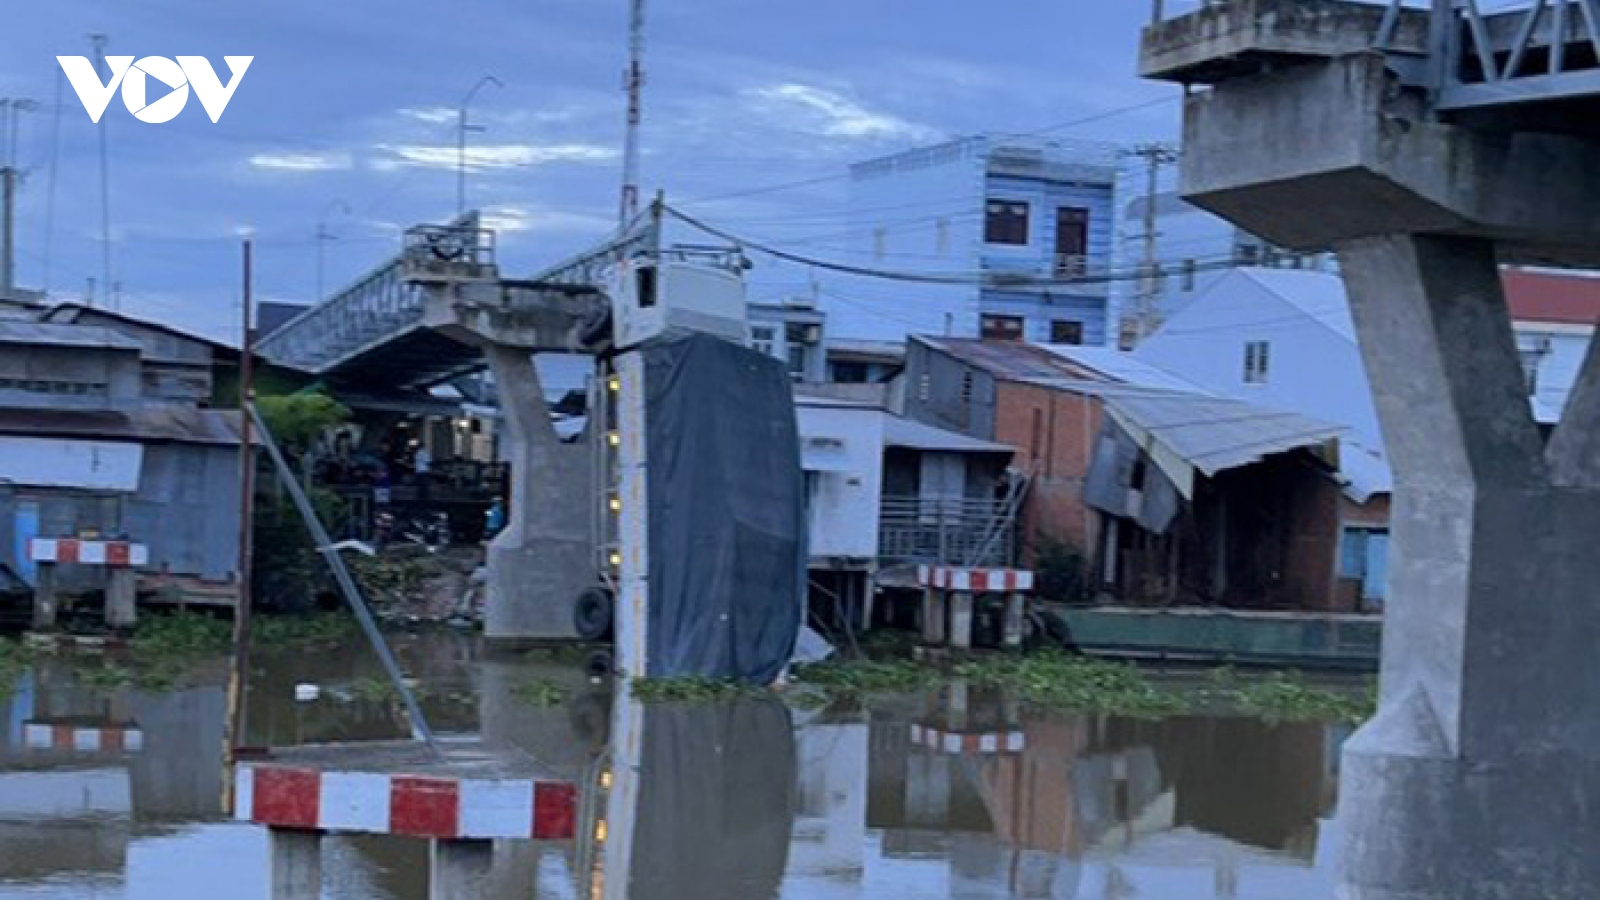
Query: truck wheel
{"x": 592, "y": 615}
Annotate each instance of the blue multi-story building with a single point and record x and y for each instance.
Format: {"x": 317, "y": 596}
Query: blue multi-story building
{"x": 1008, "y": 237}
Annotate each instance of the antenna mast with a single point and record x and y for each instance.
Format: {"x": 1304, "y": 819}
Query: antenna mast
{"x": 633, "y": 82}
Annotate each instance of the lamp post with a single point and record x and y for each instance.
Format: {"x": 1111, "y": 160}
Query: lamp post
{"x": 461, "y": 140}
{"x": 323, "y": 236}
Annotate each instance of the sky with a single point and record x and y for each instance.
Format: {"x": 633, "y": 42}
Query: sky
{"x": 346, "y": 119}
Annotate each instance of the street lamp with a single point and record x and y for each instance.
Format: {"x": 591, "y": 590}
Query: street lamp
{"x": 12, "y": 108}
{"x": 323, "y": 235}
{"x": 461, "y": 140}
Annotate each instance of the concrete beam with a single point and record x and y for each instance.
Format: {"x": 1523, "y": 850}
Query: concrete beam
{"x": 543, "y": 560}
{"x": 512, "y": 314}
{"x": 1340, "y": 138}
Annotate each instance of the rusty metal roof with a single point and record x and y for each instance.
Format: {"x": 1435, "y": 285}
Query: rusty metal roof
{"x": 54, "y": 334}
{"x": 1012, "y": 360}
{"x": 153, "y": 424}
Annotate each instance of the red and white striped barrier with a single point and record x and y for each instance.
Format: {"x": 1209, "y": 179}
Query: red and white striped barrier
{"x": 960, "y": 578}
{"x": 88, "y": 553}
{"x": 82, "y": 739}
{"x": 415, "y": 806}
{"x": 968, "y": 744}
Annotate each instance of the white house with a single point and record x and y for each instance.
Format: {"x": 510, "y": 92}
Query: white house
{"x": 885, "y": 492}
{"x": 1554, "y": 315}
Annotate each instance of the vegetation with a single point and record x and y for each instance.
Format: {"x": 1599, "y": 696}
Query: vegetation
{"x": 319, "y": 629}
{"x": 14, "y": 660}
{"x": 540, "y": 693}
{"x": 855, "y": 679}
{"x": 286, "y": 573}
{"x": 692, "y": 689}
{"x": 1285, "y": 697}
{"x": 1058, "y": 680}
{"x": 297, "y": 421}
{"x": 1061, "y": 570}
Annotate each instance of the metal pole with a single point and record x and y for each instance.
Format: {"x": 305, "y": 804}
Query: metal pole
{"x": 99, "y": 43}
{"x": 8, "y": 224}
{"x": 323, "y": 236}
{"x": 50, "y": 191}
{"x": 347, "y": 584}
{"x": 238, "y": 683}
{"x": 633, "y": 82}
{"x": 461, "y": 141}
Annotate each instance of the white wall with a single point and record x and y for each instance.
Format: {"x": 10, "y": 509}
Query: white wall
{"x": 844, "y": 500}
{"x": 1558, "y": 368}
{"x": 1314, "y": 370}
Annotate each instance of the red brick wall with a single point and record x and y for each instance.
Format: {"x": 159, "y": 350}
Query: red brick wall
{"x": 1057, "y": 451}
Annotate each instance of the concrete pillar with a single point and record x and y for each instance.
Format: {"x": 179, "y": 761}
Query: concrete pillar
{"x": 961, "y": 620}
{"x": 460, "y": 869}
{"x": 44, "y": 598}
{"x": 121, "y": 597}
{"x": 1015, "y": 617}
{"x": 933, "y": 617}
{"x": 958, "y": 700}
{"x": 1476, "y": 778}
{"x": 542, "y": 561}
{"x": 296, "y": 861}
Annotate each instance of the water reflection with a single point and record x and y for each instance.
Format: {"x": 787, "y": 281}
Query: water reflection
{"x": 955, "y": 796}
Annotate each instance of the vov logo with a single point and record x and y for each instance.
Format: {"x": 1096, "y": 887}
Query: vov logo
{"x": 134, "y": 79}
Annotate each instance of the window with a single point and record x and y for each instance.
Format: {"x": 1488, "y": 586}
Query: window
{"x": 1006, "y": 222}
{"x": 880, "y": 243}
{"x": 1001, "y": 328}
{"x": 1072, "y": 242}
{"x": 797, "y": 362}
{"x": 1257, "y": 361}
{"x": 850, "y": 372}
{"x": 941, "y": 237}
{"x": 1530, "y": 368}
{"x": 1188, "y": 274}
{"x": 1364, "y": 558}
{"x": 1066, "y": 331}
{"x": 762, "y": 337}
{"x": 647, "y": 286}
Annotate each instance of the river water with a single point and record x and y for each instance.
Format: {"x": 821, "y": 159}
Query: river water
{"x": 949, "y": 796}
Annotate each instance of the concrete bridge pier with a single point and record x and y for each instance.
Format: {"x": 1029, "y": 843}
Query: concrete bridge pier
{"x": 1480, "y": 775}
{"x": 542, "y": 561}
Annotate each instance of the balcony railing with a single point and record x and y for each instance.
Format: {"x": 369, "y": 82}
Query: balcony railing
{"x": 951, "y": 531}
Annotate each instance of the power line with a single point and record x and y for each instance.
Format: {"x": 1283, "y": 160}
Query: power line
{"x": 838, "y": 176}
{"x": 940, "y": 278}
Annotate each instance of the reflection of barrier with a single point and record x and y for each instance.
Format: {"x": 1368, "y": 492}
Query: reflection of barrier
{"x": 963, "y": 744}
{"x": 119, "y": 558}
{"x": 67, "y": 737}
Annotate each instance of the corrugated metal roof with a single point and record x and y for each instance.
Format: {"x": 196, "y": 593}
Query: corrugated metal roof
{"x": 1366, "y": 471}
{"x": 1555, "y": 297}
{"x": 1124, "y": 367}
{"x": 913, "y": 435}
{"x": 1011, "y": 360}
{"x": 174, "y": 424}
{"x": 1214, "y": 434}
{"x": 52, "y": 334}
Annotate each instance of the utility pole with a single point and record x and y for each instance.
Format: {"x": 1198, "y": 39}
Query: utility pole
{"x": 462, "y": 127}
{"x": 323, "y": 236}
{"x": 241, "y": 611}
{"x": 8, "y": 224}
{"x": 633, "y": 83}
{"x": 98, "y": 42}
{"x": 1155, "y": 155}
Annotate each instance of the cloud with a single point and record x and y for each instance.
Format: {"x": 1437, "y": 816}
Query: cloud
{"x": 502, "y": 156}
{"x": 828, "y": 113}
{"x": 302, "y": 162}
{"x": 510, "y": 219}
{"x": 434, "y": 115}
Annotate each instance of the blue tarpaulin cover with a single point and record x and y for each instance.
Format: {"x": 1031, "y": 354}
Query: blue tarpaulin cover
{"x": 727, "y": 510}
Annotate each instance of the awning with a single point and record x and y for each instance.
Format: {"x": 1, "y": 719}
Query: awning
{"x": 1184, "y": 433}
{"x": 912, "y": 435}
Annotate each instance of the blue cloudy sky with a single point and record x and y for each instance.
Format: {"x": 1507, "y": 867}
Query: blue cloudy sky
{"x": 349, "y": 105}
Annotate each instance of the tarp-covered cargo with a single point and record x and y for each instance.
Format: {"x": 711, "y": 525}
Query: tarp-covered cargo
{"x": 727, "y": 510}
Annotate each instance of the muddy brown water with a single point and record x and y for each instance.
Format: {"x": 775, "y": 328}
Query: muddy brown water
{"x": 737, "y": 801}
